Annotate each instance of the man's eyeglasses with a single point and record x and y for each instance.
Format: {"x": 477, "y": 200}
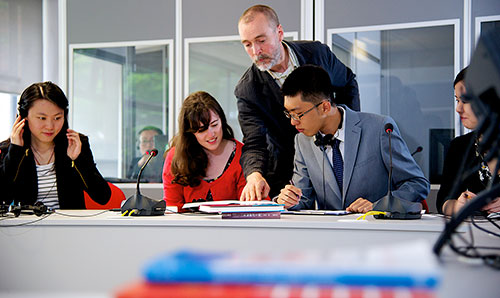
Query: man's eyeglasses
{"x": 297, "y": 117}
{"x": 152, "y": 142}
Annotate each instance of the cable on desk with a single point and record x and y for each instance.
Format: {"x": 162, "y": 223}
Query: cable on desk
{"x": 6, "y": 216}
{"x": 492, "y": 221}
{"x": 29, "y": 222}
{"x": 470, "y": 250}
{"x": 486, "y": 230}
{"x": 74, "y": 215}
{"x": 363, "y": 217}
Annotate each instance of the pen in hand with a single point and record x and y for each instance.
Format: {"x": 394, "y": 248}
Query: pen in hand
{"x": 293, "y": 184}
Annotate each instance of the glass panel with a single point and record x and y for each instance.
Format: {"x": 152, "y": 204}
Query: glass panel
{"x": 117, "y": 91}
{"x": 20, "y": 44}
{"x": 216, "y": 67}
{"x": 490, "y": 25}
{"x": 8, "y": 112}
{"x": 408, "y": 75}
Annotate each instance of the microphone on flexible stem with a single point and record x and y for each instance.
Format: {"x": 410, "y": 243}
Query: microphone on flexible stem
{"x": 139, "y": 205}
{"x": 395, "y": 208}
{"x": 419, "y": 149}
{"x": 151, "y": 154}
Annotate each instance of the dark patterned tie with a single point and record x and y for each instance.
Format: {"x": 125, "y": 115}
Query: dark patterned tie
{"x": 338, "y": 163}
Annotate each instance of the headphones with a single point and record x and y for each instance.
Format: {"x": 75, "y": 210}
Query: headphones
{"x": 23, "y": 109}
{"x": 321, "y": 141}
{"x": 38, "y": 209}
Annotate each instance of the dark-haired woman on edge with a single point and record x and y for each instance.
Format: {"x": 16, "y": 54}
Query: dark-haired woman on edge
{"x": 450, "y": 200}
{"x": 203, "y": 162}
{"x": 45, "y": 161}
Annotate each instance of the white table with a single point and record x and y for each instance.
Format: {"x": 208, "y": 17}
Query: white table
{"x": 101, "y": 253}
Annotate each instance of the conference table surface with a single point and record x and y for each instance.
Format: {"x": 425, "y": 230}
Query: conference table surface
{"x": 94, "y": 253}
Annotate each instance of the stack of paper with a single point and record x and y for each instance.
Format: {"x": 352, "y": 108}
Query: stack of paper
{"x": 240, "y": 209}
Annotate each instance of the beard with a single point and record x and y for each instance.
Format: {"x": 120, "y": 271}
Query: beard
{"x": 275, "y": 57}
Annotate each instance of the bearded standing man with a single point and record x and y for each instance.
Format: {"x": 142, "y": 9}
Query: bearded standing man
{"x": 268, "y": 153}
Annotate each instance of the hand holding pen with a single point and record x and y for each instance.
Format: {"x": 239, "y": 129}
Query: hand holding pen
{"x": 289, "y": 195}
{"x": 463, "y": 199}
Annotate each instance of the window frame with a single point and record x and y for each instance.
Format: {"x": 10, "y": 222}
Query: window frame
{"x": 213, "y": 39}
{"x": 410, "y": 25}
{"x": 479, "y": 21}
{"x": 167, "y": 123}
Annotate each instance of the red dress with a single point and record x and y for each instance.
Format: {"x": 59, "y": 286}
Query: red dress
{"x": 228, "y": 186}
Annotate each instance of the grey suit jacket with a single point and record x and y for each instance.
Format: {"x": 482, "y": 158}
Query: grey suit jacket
{"x": 366, "y": 166}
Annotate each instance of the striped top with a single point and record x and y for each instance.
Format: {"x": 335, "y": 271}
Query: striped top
{"x": 47, "y": 185}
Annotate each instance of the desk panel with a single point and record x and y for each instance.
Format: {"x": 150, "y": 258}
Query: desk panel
{"x": 101, "y": 253}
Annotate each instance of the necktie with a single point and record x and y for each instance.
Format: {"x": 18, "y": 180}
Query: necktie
{"x": 338, "y": 163}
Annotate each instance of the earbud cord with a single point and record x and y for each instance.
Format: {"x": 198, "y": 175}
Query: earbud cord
{"x": 323, "y": 173}
{"x": 43, "y": 174}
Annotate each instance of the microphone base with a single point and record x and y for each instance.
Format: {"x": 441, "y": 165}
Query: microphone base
{"x": 397, "y": 215}
{"x": 396, "y": 208}
{"x": 139, "y": 205}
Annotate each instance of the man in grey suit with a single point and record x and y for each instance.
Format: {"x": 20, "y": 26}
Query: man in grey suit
{"x": 342, "y": 156}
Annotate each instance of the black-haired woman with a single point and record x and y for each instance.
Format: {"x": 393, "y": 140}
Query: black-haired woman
{"x": 451, "y": 200}
{"x": 45, "y": 161}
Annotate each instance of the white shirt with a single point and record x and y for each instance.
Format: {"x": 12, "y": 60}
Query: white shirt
{"x": 339, "y": 134}
{"x": 47, "y": 186}
{"x": 293, "y": 63}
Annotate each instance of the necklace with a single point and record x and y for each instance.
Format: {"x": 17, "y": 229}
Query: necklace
{"x": 484, "y": 171}
{"x": 43, "y": 170}
{"x": 39, "y": 160}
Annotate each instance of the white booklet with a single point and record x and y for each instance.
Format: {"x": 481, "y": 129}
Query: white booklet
{"x": 227, "y": 202}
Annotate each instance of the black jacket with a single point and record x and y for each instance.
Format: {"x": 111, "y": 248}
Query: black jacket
{"x": 267, "y": 134}
{"x": 20, "y": 183}
{"x": 451, "y": 170}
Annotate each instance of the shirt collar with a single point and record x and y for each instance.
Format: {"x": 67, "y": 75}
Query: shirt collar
{"x": 293, "y": 63}
{"x": 340, "y": 133}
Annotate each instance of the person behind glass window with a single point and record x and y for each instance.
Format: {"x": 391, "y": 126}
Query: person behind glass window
{"x": 145, "y": 143}
{"x": 450, "y": 200}
{"x": 46, "y": 161}
{"x": 203, "y": 162}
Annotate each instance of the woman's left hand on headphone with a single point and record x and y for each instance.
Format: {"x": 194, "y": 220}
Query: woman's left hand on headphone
{"x": 74, "y": 144}
{"x": 16, "y": 136}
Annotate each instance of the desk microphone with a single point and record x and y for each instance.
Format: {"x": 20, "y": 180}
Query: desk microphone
{"x": 139, "y": 205}
{"x": 419, "y": 149}
{"x": 395, "y": 208}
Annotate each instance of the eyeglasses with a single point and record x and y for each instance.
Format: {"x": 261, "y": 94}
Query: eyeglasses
{"x": 147, "y": 142}
{"x": 297, "y": 117}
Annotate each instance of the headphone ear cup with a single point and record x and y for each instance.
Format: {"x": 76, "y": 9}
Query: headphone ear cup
{"x": 22, "y": 113}
{"x": 318, "y": 140}
{"x": 16, "y": 210}
{"x": 327, "y": 140}
{"x": 321, "y": 141}
{"x": 39, "y": 209}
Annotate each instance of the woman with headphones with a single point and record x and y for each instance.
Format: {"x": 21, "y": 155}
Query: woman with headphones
{"x": 44, "y": 161}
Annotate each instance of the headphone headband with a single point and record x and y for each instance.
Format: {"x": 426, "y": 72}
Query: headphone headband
{"x": 321, "y": 141}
